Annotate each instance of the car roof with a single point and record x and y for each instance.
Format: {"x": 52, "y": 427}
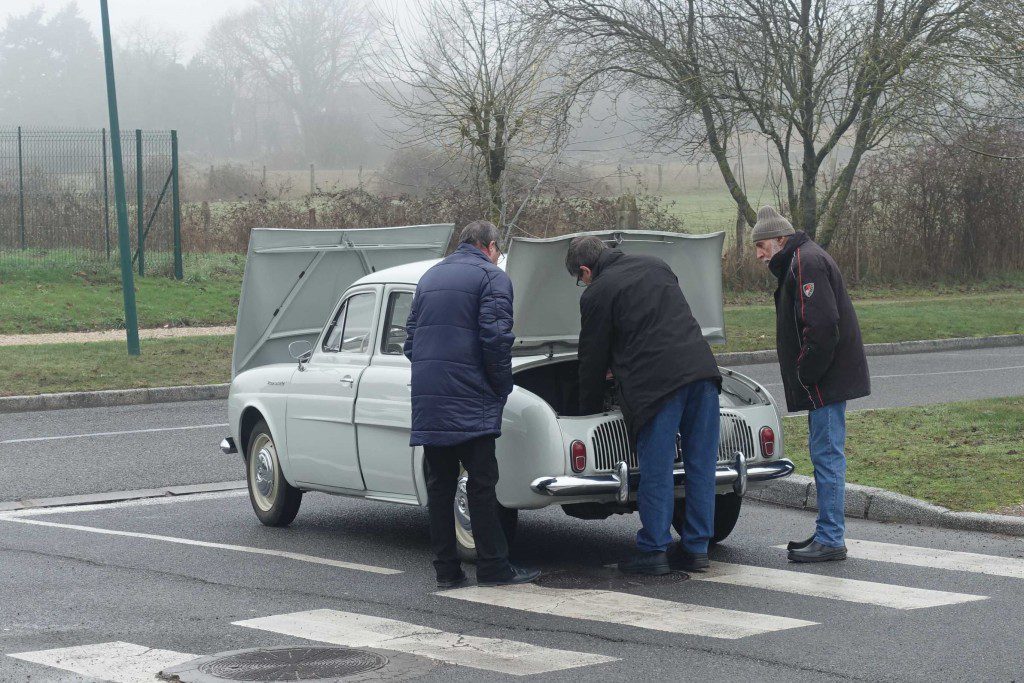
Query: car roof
{"x": 406, "y": 274}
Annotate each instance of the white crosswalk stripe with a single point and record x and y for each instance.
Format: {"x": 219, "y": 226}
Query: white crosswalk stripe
{"x": 954, "y": 560}
{"x": 630, "y": 610}
{"x": 832, "y": 587}
{"x": 118, "y": 662}
{"x": 362, "y": 630}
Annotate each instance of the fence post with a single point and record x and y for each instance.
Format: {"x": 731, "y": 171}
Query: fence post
{"x": 131, "y": 320}
{"x": 106, "y": 197}
{"x": 140, "y": 199}
{"x": 176, "y": 207}
{"x": 21, "y": 190}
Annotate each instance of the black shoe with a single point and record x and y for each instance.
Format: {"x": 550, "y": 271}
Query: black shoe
{"x": 681, "y": 560}
{"x": 518, "y": 575}
{"x": 816, "y": 552}
{"x": 453, "y": 581}
{"x": 800, "y": 545}
{"x": 651, "y": 564}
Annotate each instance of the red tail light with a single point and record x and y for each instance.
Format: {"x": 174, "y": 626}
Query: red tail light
{"x": 578, "y": 456}
{"x": 767, "y": 442}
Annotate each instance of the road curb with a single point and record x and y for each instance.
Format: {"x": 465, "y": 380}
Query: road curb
{"x": 112, "y": 397}
{"x": 880, "y": 505}
{"x": 890, "y": 348}
{"x": 119, "y": 496}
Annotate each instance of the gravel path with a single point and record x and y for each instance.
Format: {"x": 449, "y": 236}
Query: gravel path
{"x": 111, "y": 335}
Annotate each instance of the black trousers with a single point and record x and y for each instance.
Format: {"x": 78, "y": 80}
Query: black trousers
{"x": 442, "y": 469}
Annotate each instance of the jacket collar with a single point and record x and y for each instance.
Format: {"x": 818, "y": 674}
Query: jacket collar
{"x": 472, "y": 250}
{"x": 607, "y": 257}
{"x": 780, "y": 262}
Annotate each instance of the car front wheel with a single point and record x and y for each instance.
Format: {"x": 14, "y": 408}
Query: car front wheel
{"x": 274, "y": 500}
{"x": 465, "y": 544}
{"x": 727, "y": 512}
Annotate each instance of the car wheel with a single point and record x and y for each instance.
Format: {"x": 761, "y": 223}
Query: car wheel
{"x": 465, "y": 545}
{"x": 274, "y": 500}
{"x": 727, "y": 512}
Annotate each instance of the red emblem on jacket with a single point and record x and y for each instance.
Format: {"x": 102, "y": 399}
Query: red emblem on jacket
{"x": 809, "y": 289}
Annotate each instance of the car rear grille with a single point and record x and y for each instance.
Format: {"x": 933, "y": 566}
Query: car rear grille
{"x": 736, "y": 435}
{"x": 611, "y": 445}
{"x": 611, "y": 442}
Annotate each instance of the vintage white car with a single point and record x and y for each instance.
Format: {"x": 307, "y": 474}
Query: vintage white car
{"x": 324, "y": 406}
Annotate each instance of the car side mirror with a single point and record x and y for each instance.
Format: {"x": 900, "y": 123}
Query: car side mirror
{"x": 301, "y": 351}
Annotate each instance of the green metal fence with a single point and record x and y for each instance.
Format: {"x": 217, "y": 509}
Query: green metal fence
{"x": 57, "y": 199}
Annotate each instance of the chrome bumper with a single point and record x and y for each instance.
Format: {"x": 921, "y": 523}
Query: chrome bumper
{"x": 227, "y": 446}
{"x": 622, "y": 482}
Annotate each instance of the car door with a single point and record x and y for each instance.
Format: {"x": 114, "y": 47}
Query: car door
{"x": 322, "y": 446}
{"x": 383, "y": 409}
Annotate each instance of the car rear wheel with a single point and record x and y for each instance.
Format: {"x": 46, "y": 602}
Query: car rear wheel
{"x": 274, "y": 500}
{"x": 465, "y": 545}
{"x": 727, "y": 512}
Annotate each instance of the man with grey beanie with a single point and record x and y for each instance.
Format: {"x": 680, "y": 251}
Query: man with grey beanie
{"x": 823, "y": 366}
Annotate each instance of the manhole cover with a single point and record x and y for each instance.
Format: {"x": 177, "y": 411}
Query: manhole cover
{"x": 282, "y": 664}
{"x": 607, "y": 579}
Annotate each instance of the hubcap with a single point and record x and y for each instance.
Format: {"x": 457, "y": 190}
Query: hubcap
{"x": 264, "y": 473}
{"x": 263, "y": 480}
{"x": 463, "y": 524}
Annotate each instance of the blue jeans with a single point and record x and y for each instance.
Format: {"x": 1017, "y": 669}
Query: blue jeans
{"x": 827, "y": 443}
{"x": 692, "y": 412}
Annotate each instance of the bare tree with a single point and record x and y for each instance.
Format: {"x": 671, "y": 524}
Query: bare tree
{"x": 463, "y": 74}
{"x": 811, "y": 77}
{"x": 301, "y": 51}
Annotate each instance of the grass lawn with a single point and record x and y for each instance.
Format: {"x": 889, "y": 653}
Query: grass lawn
{"x": 55, "y": 368}
{"x": 753, "y": 327}
{"x": 49, "y": 295}
{"x": 964, "y": 456}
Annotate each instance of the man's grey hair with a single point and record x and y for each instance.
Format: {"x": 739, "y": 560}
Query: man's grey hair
{"x": 480, "y": 232}
{"x": 583, "y": 251}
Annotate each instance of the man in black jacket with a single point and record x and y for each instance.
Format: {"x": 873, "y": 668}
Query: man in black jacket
{"x": 823, "y": 366}
{"x": 636, "y": 322}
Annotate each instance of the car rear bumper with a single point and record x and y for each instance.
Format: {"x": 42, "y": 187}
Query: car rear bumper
{"x": 622, "y": 482}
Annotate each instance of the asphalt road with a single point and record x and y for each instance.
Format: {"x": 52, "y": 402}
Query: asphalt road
{"x": 121, "y": 592}
{"x": 925, "y": 378}
{"x": 68, "y": 452}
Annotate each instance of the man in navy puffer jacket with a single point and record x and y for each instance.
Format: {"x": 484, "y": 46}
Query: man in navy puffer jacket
{"x": 460, "y": 344}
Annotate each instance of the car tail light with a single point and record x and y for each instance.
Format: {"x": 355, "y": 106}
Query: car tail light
{"x": 578, "y": 456}
{"x": 767, "y": 442}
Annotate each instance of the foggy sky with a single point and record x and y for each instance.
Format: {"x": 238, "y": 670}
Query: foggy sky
{"x": 190, "y": 19}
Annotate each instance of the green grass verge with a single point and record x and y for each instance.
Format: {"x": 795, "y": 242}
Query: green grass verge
{"x": 55, "y": 368}
{"x": 51, "y": 295}
{"x": 753, "y": 327}
{"x": 964, "y": 456}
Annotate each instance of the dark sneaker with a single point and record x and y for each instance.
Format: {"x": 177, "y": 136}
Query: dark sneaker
{"x": 800, "y": 545}
{"x": 681, "y": 560}
{"x": 652, "y": 564}
{"x": 518, "y": 575}
{"x": 452, "y": 582}
{"x": 816, "y": 552}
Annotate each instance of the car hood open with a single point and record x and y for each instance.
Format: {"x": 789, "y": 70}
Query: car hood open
{"x": 293, "y": 279}
{"x": 546, "y": 305}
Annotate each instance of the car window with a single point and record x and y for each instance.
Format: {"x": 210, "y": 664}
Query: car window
{"x": 399, "y": 307}
{"x": 350, "y": 332}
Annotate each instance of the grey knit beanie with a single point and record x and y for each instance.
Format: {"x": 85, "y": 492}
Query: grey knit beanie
{"x": 770, "y": 224}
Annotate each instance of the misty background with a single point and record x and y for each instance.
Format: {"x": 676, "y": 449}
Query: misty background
{"x": 185, "y": 66}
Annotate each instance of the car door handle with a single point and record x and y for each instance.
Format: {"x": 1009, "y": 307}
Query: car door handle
{"x": 347, "y": 380}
